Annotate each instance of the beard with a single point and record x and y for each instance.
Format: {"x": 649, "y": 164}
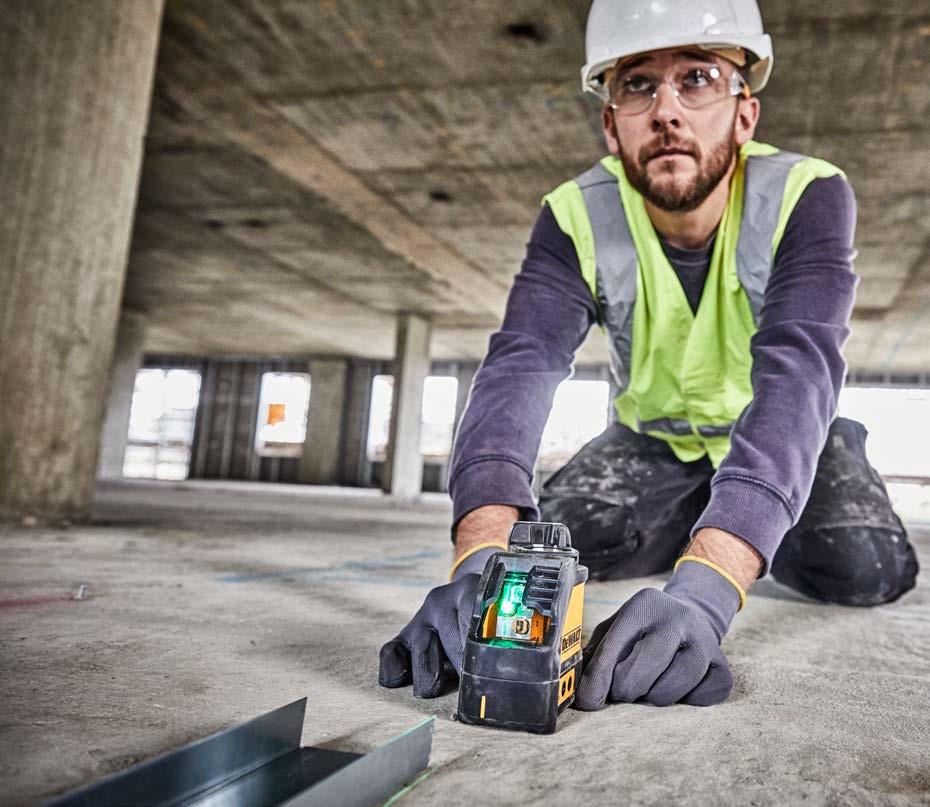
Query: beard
{"x": 677, "y": 197}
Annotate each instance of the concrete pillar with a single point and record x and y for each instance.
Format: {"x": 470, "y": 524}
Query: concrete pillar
{"x": 77, "y": 81}
{"x": 127, "y": 360}
{"x": 321, "y": 462}
{"x": 403, "y": 471}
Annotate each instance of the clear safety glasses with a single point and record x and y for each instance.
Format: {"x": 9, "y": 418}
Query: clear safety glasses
{"x": 695, "y": 87}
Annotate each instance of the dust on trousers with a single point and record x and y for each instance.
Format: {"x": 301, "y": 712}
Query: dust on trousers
{"x": 630, "y": 504}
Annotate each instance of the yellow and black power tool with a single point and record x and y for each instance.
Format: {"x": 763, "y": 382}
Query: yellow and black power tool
{"x": 523, "y": 650}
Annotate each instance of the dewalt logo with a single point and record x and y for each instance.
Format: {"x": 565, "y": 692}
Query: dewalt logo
{"x": 570, "y": 639}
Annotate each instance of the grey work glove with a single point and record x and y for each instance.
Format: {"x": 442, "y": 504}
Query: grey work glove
{"x": 436, "y": 634}
{"x": 663, "y": 647}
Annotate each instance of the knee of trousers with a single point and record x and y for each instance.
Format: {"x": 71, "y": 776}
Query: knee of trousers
{"x": 609, "y": 538}
{"x": 850, "y": 565}
{"x": 603, "y": 533}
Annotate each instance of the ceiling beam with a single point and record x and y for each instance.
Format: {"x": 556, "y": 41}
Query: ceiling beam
{"x": 227, "y": 109}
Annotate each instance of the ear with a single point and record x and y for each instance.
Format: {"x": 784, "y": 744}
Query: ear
{"x": 747, "y": 117}
{"x": 610, "y": 130}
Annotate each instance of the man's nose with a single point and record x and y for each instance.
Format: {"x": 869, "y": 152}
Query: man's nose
{"x": 666, "y": 109}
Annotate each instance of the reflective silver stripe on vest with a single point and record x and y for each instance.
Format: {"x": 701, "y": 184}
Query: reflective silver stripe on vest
{"x": 715, "y": 431}
{"x": 616, "y": 266}
{"x": 665, "y": 425}
{"x": 763, "y": 191}
{"x": 682, "y": 427}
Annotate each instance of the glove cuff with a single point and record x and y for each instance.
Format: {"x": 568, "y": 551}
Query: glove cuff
{"x": 721, "y": 571}
{"x": 473, "y": 561}
{"x": 706, "y": 589}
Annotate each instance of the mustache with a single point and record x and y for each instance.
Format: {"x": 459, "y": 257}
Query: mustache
{"x": 664, "y": 143}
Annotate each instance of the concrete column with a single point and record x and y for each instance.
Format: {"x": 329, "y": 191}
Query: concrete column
{"x": 321, "y": 461}
{"x": 77, "y": 81}
{"x": 127, "y": 359}
{"x": 403, "y": 471}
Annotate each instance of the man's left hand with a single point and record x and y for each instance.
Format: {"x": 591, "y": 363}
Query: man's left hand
{"x": 663, "y": 647}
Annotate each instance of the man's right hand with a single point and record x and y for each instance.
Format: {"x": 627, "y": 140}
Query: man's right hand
{"x": 435, "y": 635}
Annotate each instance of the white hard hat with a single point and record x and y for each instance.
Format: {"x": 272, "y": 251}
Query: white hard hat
{"x": 618, "y": 28}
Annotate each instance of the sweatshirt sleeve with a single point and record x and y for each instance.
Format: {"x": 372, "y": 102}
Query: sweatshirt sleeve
{"x": 549, "y": 312}
{"x": 763, "y": 483}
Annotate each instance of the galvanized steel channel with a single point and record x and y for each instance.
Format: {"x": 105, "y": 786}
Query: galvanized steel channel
{"x": 260, "y": 762}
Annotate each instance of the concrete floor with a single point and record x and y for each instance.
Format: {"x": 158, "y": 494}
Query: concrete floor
{"x": 207, "y": 604}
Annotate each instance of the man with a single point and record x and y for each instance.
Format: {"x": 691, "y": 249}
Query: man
{"x": 720, "y": 270}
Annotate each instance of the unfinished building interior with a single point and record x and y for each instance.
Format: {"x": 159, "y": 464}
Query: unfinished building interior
{"x": 252, "y": 255}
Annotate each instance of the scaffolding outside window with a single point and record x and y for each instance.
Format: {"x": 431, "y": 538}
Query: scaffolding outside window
{"x": 161, "y": 424}
{"x": 437, "y": 417}
{"x": 283, "y": 407}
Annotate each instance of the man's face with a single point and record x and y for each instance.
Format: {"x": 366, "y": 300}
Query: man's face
{"x": 673, "y": 155}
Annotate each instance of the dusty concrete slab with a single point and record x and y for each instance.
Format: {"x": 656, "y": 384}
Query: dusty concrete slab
{"x": 206, "y": 604}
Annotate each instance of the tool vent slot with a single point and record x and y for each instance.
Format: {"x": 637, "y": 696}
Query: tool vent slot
{"x": 542, "y": 587}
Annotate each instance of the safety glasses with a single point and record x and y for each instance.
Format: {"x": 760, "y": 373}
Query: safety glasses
{"x": 695, "y": 87}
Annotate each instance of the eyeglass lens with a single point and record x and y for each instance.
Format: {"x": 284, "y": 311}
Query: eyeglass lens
{"x": 695, "y": 86}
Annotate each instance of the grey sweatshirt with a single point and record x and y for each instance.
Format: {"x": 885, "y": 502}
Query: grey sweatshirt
{"x": 762, "y": 485}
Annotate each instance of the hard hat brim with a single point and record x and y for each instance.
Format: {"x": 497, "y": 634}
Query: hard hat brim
{"x": 758, "y": 47}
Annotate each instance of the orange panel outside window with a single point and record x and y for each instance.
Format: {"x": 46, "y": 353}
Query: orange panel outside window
{"x": 275, "y": 413}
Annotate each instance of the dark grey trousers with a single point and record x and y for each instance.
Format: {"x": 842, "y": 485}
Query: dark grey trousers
{"x": 630, "y": 504}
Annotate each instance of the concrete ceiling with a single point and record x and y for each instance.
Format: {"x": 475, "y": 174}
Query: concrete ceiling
{"x": 312, "y": 168}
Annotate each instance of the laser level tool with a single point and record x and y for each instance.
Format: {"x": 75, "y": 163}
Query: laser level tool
{"x": 523, "y": 649}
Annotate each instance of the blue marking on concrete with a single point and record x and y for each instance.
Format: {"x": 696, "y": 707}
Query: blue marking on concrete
{"x": 339, "y": 577}
{"x": 331, "y": 572}
{"x": 345, "y": 574}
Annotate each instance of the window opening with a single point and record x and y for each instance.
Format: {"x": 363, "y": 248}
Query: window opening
{"x": 437, "y": 417}
{"x": 161, "y": 424}
{"x": 894, "y": 418}
{"x": 579, "y": 413}
{"x": 283, "y": 406}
